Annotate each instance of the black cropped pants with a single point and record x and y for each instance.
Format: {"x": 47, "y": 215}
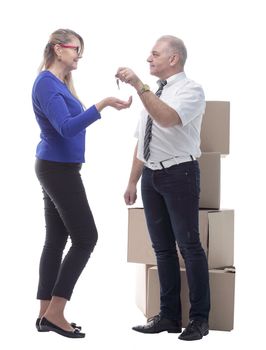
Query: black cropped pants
{"x": 67, "y": 214}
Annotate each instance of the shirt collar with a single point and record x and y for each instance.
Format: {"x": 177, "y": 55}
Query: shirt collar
{"x": 174, "y": 78}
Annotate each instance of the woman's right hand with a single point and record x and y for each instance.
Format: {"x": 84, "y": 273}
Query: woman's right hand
{"x": 113, "y": 102}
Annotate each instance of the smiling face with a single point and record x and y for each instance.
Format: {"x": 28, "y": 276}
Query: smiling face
{"x": 69, "y": 54}
{"x": 163, "y": 60}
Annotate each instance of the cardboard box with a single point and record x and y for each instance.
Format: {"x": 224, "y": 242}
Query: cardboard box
{"x": 216, "y": 233}
{"x": 215, "y": 129}
{"x": 222, "y": 287}
{"x": 210, "y": 180}
{"x": 142, "y": 286}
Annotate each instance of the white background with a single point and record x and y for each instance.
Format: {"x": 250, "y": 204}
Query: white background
{"x": 225, "y": 42}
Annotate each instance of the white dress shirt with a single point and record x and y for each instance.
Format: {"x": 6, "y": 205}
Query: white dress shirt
{"x": 187, "y": 98}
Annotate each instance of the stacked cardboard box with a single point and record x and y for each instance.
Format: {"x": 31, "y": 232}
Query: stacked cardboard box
{"x": 216, "y": 228}
{"x": 222, "y": 287}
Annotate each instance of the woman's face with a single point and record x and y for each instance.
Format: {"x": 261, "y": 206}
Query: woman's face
{"x": 70, "y": 54}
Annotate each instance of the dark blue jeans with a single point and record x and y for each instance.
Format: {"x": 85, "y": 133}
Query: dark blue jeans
{"x": 171, "y": 204}
{"x": 67, "y": 214}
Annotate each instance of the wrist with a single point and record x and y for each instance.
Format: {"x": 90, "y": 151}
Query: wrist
{"x": 133, "y": 181}
{"x": 102, "y": 104}
{"x": 138, "y": 85}
{"x": 144, "y": 88}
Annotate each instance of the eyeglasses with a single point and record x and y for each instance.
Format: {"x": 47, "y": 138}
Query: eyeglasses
{"x": 76, "y": 48}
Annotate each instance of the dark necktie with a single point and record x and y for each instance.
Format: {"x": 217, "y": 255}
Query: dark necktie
{"x": 148, "y": 129}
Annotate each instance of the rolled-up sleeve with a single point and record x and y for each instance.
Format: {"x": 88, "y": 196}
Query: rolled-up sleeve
{"x": 189, "y": 103}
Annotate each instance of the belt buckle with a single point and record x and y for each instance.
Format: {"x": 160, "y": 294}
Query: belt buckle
{"x": 175, "y": 161}
{"x": 152, "y": 164}
{"x": 169, "y": 162}
{"x": 155, "y": 166}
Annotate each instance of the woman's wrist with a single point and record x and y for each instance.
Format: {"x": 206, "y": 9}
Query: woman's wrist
{"x": 101, "y": 105}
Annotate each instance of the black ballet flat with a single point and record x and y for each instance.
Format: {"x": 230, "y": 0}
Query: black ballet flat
{"x": 37, "y": 324}
{"x": 47, "y": 326}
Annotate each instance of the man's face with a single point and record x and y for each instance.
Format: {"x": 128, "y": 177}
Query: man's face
{"x": 159, "y": 60}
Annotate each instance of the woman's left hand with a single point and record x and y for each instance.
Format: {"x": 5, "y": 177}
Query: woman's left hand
{"x": 119, "y": 104}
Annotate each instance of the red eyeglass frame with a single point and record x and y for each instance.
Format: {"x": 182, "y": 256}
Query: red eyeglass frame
{"x": 77, "y": 48}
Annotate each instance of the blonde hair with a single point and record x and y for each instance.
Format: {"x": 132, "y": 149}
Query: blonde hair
{"x": 60, "y": 36}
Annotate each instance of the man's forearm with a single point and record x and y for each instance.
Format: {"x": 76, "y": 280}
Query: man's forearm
{"x": 163, "y": 114}
{"x": 136, "y": 170}
{"x": 159, "y": 110}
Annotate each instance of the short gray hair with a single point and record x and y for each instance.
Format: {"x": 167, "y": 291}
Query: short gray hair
{"x": 176, "y": 45}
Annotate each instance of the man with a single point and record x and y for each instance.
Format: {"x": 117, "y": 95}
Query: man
{"x": 168, "y": 145}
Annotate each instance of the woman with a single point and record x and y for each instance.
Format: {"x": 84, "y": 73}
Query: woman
{"x": 60, "y": 153}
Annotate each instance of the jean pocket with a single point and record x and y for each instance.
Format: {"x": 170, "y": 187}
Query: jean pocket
{"x": 183, "y": 181}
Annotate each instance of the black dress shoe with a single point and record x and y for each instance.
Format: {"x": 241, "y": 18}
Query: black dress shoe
{"x": 159, "y": 324}
{"x": 47, "y": 326}
{"x": 37, "y": 324}
{"x": 196, "y": 329}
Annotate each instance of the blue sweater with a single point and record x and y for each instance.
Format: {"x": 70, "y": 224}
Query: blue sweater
{"x": 62, "y": 120}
